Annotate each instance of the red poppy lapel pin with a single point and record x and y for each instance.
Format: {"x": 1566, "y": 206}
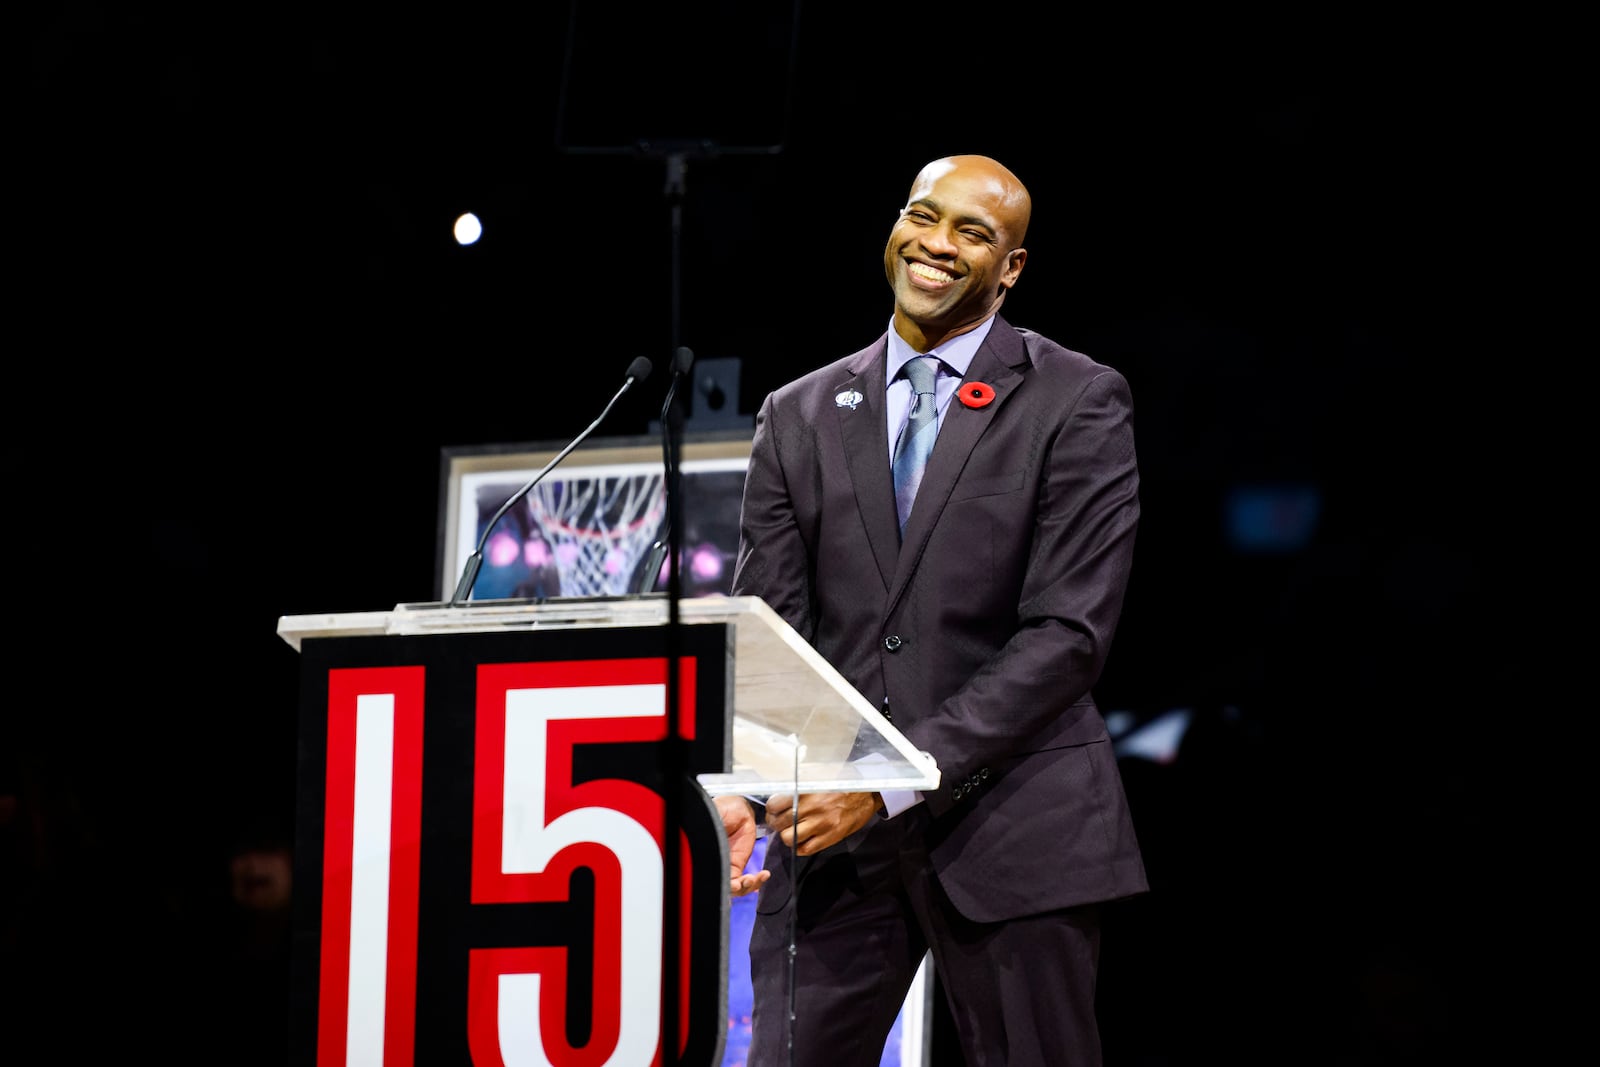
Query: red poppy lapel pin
{"x": 975, "y": 394}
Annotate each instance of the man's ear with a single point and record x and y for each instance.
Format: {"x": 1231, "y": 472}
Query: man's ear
{"x": 1015, "y": 260}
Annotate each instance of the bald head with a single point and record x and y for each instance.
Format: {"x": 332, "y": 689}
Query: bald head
{"x": 1007, "y": 194}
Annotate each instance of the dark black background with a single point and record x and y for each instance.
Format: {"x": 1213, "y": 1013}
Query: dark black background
{"x": 242, "y": 334}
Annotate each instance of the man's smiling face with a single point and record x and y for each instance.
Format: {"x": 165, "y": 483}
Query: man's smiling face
{"x": 954, "y": 250}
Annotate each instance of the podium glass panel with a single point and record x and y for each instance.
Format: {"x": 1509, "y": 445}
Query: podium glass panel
{"x": 796, "y": 725}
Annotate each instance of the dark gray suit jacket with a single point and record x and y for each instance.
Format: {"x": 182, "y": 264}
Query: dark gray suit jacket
{"x": 983, "y": 633}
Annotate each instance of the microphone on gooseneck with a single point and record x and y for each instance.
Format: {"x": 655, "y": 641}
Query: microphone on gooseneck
{"x": 638, "y": 371}
{"x": 682, "y": 360}
{"x": 650, "y": 570}
{"x": 672, "y": 452}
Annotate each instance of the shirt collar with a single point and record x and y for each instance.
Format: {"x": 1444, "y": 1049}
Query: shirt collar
{"x": 955, "y": 353}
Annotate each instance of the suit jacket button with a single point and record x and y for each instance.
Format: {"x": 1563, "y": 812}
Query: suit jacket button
{"x": 893, "y": 642}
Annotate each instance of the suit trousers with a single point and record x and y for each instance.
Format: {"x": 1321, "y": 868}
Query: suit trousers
{"x": 862, "y": 914}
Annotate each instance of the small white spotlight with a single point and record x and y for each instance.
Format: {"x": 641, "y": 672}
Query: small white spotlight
{"x": 468, "y": 229}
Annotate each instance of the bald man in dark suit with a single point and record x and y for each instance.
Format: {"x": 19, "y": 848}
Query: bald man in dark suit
{"x": 979, "y": 628}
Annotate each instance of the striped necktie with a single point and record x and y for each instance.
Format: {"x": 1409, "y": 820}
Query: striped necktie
{"x": 916, "y": 438}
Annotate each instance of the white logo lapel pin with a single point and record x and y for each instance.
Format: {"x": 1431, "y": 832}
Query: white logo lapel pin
{"x": 848, "y": 399}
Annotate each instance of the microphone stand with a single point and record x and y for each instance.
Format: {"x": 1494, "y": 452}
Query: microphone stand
{"x": 675, "y": 155}
{"x": 674, "y": 757}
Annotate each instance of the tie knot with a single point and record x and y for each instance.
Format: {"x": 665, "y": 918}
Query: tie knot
{"x": 921, "y": 371}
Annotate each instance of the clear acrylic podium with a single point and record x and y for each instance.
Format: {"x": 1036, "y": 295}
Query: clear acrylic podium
{"x": 795, "y": 723}
{"x": 481, "y": 872}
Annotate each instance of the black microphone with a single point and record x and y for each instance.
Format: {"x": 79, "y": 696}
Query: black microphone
{"x": 638, "y": 371}
{"x": 650, "y": 570}
{"x": 682, "y": 360}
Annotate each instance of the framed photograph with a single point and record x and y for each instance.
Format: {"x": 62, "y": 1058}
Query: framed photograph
{"x": 586, "y": 528}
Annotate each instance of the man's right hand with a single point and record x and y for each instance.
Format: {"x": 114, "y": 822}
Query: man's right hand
{"x": 739, "y": 823}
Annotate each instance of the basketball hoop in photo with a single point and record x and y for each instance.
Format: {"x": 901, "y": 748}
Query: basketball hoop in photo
{"x": 599, "y": 527}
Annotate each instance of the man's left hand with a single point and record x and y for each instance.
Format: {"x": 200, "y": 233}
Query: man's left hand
{"x": 824, "y": 818}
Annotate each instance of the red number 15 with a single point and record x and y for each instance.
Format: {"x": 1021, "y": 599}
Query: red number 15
{"x": 533, "y": 825}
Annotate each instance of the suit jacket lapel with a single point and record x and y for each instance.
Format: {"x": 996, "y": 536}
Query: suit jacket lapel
{"x": 998, "y": 363}
{"x": 866, "y": 447}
